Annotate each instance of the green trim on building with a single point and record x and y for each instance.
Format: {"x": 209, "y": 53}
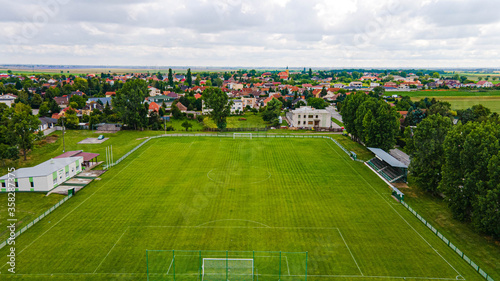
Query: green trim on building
{"x": 54, "y": 175}
{"x": 4, "y": 189}
{"x": 66, "y": 169}
{"x": 32, "y": 189}
{"x": 2, "y": 181}
{"x": 31, "y": 179}
{"x": 17, "y": 189}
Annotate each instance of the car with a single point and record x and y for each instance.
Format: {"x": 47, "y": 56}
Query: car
{"x": 100, "y": 137}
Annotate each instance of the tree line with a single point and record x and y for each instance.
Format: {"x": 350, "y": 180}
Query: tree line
{"x": 370, "y": 120}
{"x": 460, "y": 163}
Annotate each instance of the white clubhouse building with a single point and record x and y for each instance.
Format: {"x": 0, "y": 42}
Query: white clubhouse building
{"x": 45, "y": 176}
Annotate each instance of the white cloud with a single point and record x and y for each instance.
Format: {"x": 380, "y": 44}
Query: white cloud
{"x": 323, "y": 33}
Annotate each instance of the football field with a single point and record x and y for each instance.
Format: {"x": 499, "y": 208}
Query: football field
{"x": 222, "y": 194}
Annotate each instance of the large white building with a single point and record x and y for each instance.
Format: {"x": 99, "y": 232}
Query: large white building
{"x": 308, "y": 117}
{"x": 45, "y": 176}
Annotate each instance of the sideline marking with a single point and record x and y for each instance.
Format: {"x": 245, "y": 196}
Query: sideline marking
{"x": 111, "y": 249}
{"x": 342, "y": 236}
{"x": 69, "y": 213}
{"x": 392, "y": 207}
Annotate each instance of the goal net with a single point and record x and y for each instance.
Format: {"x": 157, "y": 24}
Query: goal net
{"x": 212, "y": 265}
{"x": 242, "y": 135}
{"x": 227, "y": 269}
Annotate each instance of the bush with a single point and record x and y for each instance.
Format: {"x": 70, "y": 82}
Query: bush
{"x": 170, "y": 128}
{"x": 199, "y": 118}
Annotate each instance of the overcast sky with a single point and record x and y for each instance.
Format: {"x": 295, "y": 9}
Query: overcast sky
{"x": 252, "y": 33}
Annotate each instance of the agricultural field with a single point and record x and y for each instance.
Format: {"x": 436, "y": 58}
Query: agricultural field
{"x": 264, "y": 194}
{"x": 493, "y": 103}
{"x": 448, "y": 93}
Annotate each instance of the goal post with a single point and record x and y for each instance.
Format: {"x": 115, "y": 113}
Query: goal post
{"x": 241, "y": 135}
{"x": 227, "y": 269}
{"x": 213, "y": 265}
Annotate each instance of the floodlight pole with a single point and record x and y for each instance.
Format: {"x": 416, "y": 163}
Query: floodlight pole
{"x": 64, "y": 144}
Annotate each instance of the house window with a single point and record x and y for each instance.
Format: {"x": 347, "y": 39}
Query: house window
{"x": 316, "y": 116}
{"x": 32, "y": 184}
{"x": 304, "y": 122}
{"x": 299, "y": 116}
{"x": 310, "y": 116}
{"x": 3, "y": 184}
{"x": 55, "y": 181}
{"x": 310, "y": 122}
{"x": 17, "y": 184}
{"x": 67, "y": 174}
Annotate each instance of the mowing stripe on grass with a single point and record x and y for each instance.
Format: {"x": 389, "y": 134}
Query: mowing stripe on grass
{"x": 392, "y": 207}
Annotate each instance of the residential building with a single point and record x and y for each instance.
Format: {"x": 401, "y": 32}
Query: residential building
{"x": 484, "y": 84}
{"x": 237, "y": 107}
{"x": 46, "y": 123}
{"x": 8, "y": 99}
{"x": 356, "y": 84}
{"x": 308, "y": 117}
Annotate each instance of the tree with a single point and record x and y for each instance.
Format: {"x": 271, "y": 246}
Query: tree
{"x": 300, "y": 103}
{"x": 425, "y": 147}
{"x": 379, "y": 90}
{"x": 189, "y": 78}
{"x": 170, "y": 77}
{"x": 128, "y": 103}
{"x": 176, "y": 112}
{"x": 442, "y": 108}
{"x": 272, "y": 110}
{"x": 471, "y": 176}
{"x": 217, "y": 100}
{"x": 381, "y": 127}
{"x": 36, "y": 101}
{"x": 79, "y": 100}
{"x": 348, "y": 112}
{"x": 70, "y": 119}
{"x": 317, "y": 103}
{"x": 310, "y": 73}
{"x": 44, "y": 110}
{"x": 186, "y": 125}
{"x": 8, "y": 152}
{"x": 24, "y": 125}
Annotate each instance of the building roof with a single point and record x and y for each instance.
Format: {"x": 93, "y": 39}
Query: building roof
{"x": 87, "y": 156}
{"x": 44, "y": 169}
{"x": 387, "y": 157}
{"x": 308, "y": 109}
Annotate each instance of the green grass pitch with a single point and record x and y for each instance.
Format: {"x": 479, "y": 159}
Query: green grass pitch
{"x": 206, "y": 193}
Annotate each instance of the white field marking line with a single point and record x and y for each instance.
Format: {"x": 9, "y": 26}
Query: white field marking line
{"x": 110, "y": 180}
{"x": 327, "y": 276}
{"x": 288, "y": 267}
{"x": 230, "y": 227}
{"x": 170, "y": 266}
{"x": 342, "y": 236}
{"x": 392, "y": 207}
{"x": 267, "y": 226}
{"x": 111, "y": 249}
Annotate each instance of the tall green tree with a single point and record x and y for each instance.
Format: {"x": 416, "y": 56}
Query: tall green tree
{"x": 471, "y": 174}
{"x": 128, "y": 103}
{"x": 189, "y": 78}
{"x": 272, "y": 110}
{"x": 170, "y": 77}
{"x": 425, "y": 147}
{"x": 24, "y": 125}
{"x": 218, "y": 101}
{"x": 348, "y": 112}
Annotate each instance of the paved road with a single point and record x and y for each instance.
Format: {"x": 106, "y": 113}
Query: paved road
{"x": 335, "y": 113}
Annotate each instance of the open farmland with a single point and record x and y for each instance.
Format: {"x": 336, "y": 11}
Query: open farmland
{"x": 264, "y": 194}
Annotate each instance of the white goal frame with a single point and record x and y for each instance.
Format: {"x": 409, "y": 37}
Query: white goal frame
{"x": 226, "y": 260}
{"x": 235, "y": 134}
